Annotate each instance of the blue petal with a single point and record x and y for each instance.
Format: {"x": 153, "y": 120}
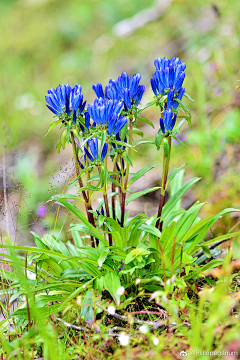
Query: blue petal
{"x": 120, "y": 124}
{"x": 98, "y": 90}
{"x": 81, "y": 107}
{"x": 87, "y": 120}
{"x": 167, "y": 117}
{"x": 93, "y": 144}
{"x": 53, "y": 110}
{"x": 162, "y": 125}
{"x": 112, "y": 123}
{"x": 126, "y": 98}
{"x": 88, "y": 155}
{"x": 81, "y": 165}
{"x": 154, "y": 88}
{"x": 104, "y": 151}
{"x": 138, "y": 97}
{"x": 173, "y": 122}
{"x": 134, "y": 82}
{"x": 179, "y": 81}
{"x": 170, "y": 99}
{"x": 74, "y": 116}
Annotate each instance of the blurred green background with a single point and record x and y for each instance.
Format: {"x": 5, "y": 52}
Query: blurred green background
{"x": 47, "y": 42}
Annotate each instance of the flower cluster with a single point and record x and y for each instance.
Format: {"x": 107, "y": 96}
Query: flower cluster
{"x": 110, "y": 111}
{"x": 96, "y": 156}
{"x": 106, "y": 113}
{"x": 168, "y": 121}
{"x": 65, "y": 100}
{"x": 168, "y": 80}
{"x": 124, "y": 89}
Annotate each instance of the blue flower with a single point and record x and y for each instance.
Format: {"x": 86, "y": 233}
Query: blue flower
{"x": 94, "y": 155}
{"x": 87, "y": 122}
{"x": 99, "y": 90}
{"x": 126, "y": 89}
{"x": 168, "y": 121}
{"x": 65, "y": 99}
{"x": 115, "y": 146}
{"x": 106, "y": 113}
{"x": 168, "y": 78}
{"x": 57, "y": 99}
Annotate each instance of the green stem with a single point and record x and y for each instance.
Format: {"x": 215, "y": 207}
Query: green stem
{"x": 113, "y": 188}
{"x": 166, "y": 160}
{"x": 124, "y": 185}
{"x": 180, "y": 265}
{"x": 86, "y": 200}
{"x": 105, "y": 196}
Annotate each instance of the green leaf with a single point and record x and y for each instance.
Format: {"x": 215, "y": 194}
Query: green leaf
{"x": 178, "y": 140}
{"x": 185, "y": 117}
{"x": 185, "y": 108}
{"x": 207, "y": 252}
{"x": 117, "y": 238}
{"x": 89, "y": 187}
{"x": 64, "y": 138}
{"x": 167, "y": 236}
{"x": 55, "y": 123}
{"x": 123, "y": 132}
{"x": 188, "y": 96}
{"x": 111, "y": 284}
{"x": 140, "y": 193}
{"x": 73, "y": 273}
{"x": 102, "y": 256}
{"x": 166, "y": 147}
{"x": 58, "y": 147}
{"x": 94, "y": 178}
{"x": 140, "y": 173}
{"x": 103, "y": 138}
{"x": 69, "y": 124}
{"x": 143, "y": 142}
{"x": 147, "y": 105}
{"x": 159, "y": 139}
{"x": 212, "y": 264}
{"x": 42, "y": 312}
{"x": 80, "y": 215}
{"x": 150, "y": 229}
{"x": 67, "y": 196}
{"x": 138, "y": 132}
{"x": 146, "y": 121}
{"x": 122, "y": 143}
{"x": 167, "y": 208}
{"x": 173, "y": 173}
{"x": 127, "y": 158}
{"x": 201, "y": 235}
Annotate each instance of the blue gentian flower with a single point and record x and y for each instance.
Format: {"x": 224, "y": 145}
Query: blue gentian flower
{"x": 115, "y": 146}
{"x": 63, "y": 99}
{"x": 106, "y": 113}
{"x": 98, "y": 88}
{"x": 87, "y": 122}
{"x": 94, "y": 155}
{"x": 58, "y": 98}
{"x": 168, "y": 121}
{"x": 168, "y": 79}
{"x": 124, "y": 89}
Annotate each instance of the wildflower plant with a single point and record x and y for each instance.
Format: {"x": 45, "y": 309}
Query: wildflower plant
{"x": 125, "y": 254}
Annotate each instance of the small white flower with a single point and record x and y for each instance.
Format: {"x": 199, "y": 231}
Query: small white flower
{"x": 143, "y": 329}
{"x": 123, "y": 339}
{"x": 155, "y": 341}
{"x": 120, "y": 290}
{"x": 111, "y": 310}
{"x": 84, "y": 286}
{"x": 138, "y": 281}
